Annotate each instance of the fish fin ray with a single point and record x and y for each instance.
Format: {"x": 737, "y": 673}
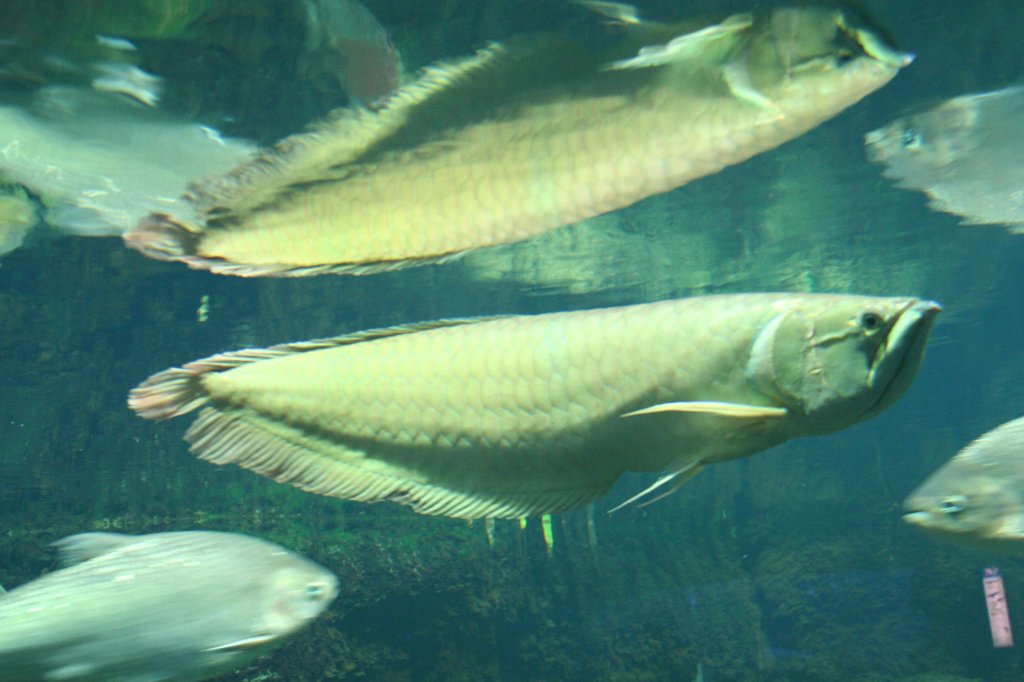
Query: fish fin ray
{"x": 242, "y": 644}
{"x": 615, "y": 12}
{"x": 75, "y": 549}
{"x": 686, "y": 47}
{"x": 721, "y": 409}
{"x": 680, "y": 476}
{"x": 339, "y": 139}
{"x": 314, "y": 465}
{"x": 165, "y": 237}
{"x": 177, "y": 391}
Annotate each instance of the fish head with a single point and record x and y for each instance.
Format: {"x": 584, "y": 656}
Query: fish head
{"x": 976, "y": 498}
{"x": 295, "y": 593}
{"x": 922, "y": 148}
{"x": 967, "y": 505}
{"x": 833, "y": 361}
{"x": 813, "y": 61}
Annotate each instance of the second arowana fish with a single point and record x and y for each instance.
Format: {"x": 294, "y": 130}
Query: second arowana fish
{"x": 519, "y": 140}
{"x": 512, "y": 416}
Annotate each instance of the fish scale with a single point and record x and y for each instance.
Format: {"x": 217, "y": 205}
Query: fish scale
{"x": 528, "y": 414}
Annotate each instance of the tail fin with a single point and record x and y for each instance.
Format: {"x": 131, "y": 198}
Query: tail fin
{"x": 162, "y": 237}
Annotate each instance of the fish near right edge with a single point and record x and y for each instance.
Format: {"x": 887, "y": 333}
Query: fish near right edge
{"x": 523, "y": 415}
{"x": 976, "y": 499}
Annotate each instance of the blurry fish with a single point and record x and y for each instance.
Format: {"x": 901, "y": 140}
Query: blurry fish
{"x": 965, "y": 154}
{"x": 127, "y": 79}
{"x": 977, "y": 498}
{"x": 100, "y": 162}
{"x": 17, "y": 216}
{"x": 166, "y": 606}
{"x": 345, "y": 39}
{"x": 515, "y": 416}
{"x": 518, "y": 140}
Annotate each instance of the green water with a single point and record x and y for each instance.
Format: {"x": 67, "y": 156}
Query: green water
{"x": 791, "y": 565}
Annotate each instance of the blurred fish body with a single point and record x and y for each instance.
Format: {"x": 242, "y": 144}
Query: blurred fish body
{"x": 521, "y": 139}
{"x": 977, "y": 498}
{"x": 522, "y": 415}
{"x": 17, "y": 217}
{"x": 965, "y": 154}
{"x": 344, "y": 38}
{"x": 101, "y": 162}
{"x": 165, "y": 606}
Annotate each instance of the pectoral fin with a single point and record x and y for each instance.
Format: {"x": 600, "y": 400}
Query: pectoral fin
{"x": 737, "y": 78}
{"x": 246, "y": 644}
{"x": 721, "y": 409}
{"x": 617, "y": 12}
{"x": 684, "y": 47}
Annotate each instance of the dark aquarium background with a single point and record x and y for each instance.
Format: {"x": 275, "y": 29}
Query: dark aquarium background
{"x": 794, "y": 564}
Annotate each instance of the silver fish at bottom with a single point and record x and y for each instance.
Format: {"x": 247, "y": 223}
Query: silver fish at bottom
{"x": 152, "y": 608}
{"x": 521, "y": 415}
{"x": 977, "y": 498}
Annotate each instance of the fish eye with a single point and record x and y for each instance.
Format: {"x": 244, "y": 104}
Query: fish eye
{"x": 910, "y": 139}
{"x": 953, "y": 504}
{"x": 315, "y": 591}
{"x": 870, "y": 321}
{"x": 844, "y": 57}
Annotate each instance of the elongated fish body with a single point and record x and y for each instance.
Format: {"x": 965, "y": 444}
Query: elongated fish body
{"x": 977, "y": 497}
{"x": 166, "y": 606}
{"x": 516, "y": 141}
{"x": 506, "y": 417}
{"x": 964, "y": 154}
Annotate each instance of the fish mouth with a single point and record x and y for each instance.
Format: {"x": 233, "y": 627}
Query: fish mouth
{"x": 873, "y": 44}
{"x": 897, "y": 360}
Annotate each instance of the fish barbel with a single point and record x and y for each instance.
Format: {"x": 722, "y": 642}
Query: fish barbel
{"x": 151, "y": 608}
{"x": 518, "y": 140}
{"x": 977, "y": 497}
{"x": 521, "y": 415}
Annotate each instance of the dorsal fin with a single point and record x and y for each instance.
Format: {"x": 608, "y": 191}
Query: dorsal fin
{"x": 74, "y": 549}
{"x": 178, "y": 391}
{"x": 337, "y": 140}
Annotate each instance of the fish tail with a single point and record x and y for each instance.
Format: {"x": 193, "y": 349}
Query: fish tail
{"x": 170, "y": 393}
{"x": 162, "y": 237}
{"x": 179, "y": 390}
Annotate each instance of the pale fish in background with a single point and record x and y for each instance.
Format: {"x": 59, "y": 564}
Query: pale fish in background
{"x": 528, "y": 415}
{"x": 344, "y": 39}
{"x": 521, "y": 139}
{"x": 100, "y": 162}
{"x": 166, "y": 606}
{"x": 977, "y": 498}
{"x": 17, "y": 217}
{"x": 965, "y": 154}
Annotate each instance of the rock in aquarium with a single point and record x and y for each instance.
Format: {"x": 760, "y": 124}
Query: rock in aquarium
{"x": 522, "y": 415}
{"x": 522, "y": 138}
{"x": 165, "y": 606}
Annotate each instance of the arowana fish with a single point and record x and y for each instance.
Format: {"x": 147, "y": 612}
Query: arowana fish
{"x": 512, "y": 416}
{"x": 518, "y": 140}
